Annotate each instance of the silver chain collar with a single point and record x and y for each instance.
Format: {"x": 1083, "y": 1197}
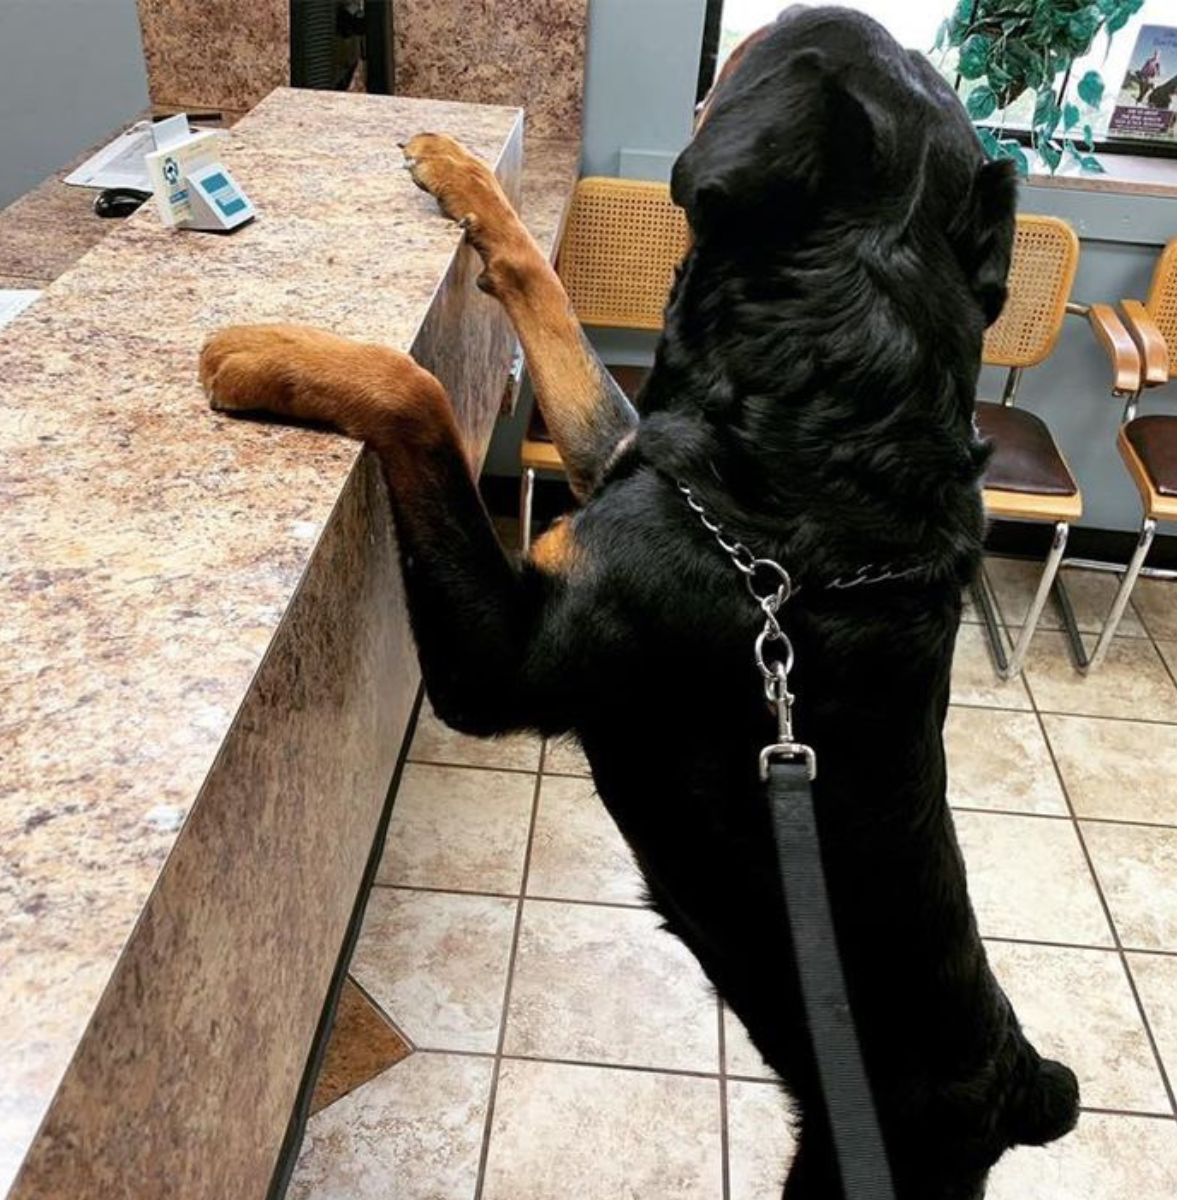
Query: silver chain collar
{"x": 773, "y": 652}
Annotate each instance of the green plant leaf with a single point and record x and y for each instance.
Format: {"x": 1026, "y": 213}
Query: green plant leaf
{"x": 1091, "y": 89}
{"x": 1050, "y": 154}
{"x": 998, "y": 75}
{"x": 991, "y": 143}
{"x": 1070, "y": 115}
{"x": 1046, "y": 112}
{"x": 1081, "y": 28}
{"x": 973, "y": 56}
{"x": 1013, "y": 150}
{"x": 1088, "y": 139}
{"x": 1025, "y": 63}
{"x": 981, "y": 103}
{"x": 1092, "y": 164}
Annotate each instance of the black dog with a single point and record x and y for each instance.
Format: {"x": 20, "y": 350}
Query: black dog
{"x": 814, "y": 387}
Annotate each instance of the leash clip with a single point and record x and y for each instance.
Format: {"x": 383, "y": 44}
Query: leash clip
{"x": 781, "y": 700}
{"x": 787, "y": 750}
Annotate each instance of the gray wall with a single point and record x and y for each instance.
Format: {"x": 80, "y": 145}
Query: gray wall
{"x": 70, "y": 71}
{"x": 640, "y": 89}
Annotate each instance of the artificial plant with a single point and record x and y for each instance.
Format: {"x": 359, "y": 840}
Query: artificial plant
{"x": 1009, "y": 47}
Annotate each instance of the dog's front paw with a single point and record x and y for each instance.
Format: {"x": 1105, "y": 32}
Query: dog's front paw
{"x": 465, "y": 188}
{"x": 310, "y": 375}
{"x": 245, "y": 368}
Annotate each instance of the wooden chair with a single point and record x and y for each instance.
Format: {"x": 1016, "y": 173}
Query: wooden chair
{"x": 1027, "y": 477}
{"x": 622, "y": 242}
{"x": 1147, "y": 445}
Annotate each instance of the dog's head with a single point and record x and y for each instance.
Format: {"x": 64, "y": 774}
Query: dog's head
{"x": 822, "y": 119}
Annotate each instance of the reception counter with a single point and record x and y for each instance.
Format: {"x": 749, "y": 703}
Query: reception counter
{"x": 206, "y": 672}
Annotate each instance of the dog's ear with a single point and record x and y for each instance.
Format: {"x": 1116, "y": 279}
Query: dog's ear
{"x": 773, "y": 143}
{"x": 984, "y": 235}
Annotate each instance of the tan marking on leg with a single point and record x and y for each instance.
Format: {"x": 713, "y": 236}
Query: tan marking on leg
{"x": 583, "y": 410}
{"x": 556, "y": 552}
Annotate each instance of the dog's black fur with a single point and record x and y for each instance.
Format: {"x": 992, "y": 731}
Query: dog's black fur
{"x": 815, "y": 387}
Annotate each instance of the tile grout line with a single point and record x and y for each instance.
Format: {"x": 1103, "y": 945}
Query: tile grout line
{"x": 444, "y": 891}
{"x": 380, "y": 1012}
{"x": 1137, "y": 999}
{"x": 1163, "y": 659}
{"x": 723, "y": 1089}
{"x": 1109, "y": 949}
{"x": 1044, "y": 816}
{"x": 681, "y": 1073}
{"x": 1154, "y": 637}
{"x": 1053, "y": 712}
{"x": 1129, "y": 1112}
{"x": 485, "y": 1144}
{"x": 405, "y": 887}
{"x": 465, "y": 766}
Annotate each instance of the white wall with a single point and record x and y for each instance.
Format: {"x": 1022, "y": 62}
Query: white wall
{"x": 70, "y": 71}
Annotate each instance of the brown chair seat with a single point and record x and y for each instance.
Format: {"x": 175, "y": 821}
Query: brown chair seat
{"x": 1153, "y": 441}
{"x": 1025, "y": 457}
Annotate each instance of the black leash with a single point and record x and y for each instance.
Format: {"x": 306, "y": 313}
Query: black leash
{"x": 788, "y": 768}
{"x": 858, "y": 1143}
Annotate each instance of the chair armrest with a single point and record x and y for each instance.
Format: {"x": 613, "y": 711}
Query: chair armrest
{"x": 1121, "y": 348}
{"x": 1156, "y": 359}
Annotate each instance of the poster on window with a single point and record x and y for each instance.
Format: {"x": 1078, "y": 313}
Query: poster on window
{"x": 1147, "y": 100}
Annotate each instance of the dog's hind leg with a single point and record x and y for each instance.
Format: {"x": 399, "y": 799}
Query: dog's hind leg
{"x": 480, "y": 622}
{"x": 814, "y": 1174}
{"x": 586, "y": 413}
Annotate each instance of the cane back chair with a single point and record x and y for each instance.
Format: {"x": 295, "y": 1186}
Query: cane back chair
{"x": 622, "y": 242}
{"x": 1147, "y": 445}
{"x": 1027, "y": 478}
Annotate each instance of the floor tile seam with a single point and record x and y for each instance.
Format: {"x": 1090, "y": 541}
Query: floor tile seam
{"x": 1108, "y": 916}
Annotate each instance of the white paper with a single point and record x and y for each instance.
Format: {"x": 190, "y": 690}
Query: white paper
{"x": 122, "y": 163}
{"x": 14, "y": 301}
{"x": 171, "y": 131}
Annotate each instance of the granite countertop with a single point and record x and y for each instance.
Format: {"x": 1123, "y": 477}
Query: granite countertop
{"x": 151, "y": 548}
{"x": 47, "y": 230}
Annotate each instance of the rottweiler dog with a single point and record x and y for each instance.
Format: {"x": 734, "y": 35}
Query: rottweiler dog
{"x": 814, "y": 388}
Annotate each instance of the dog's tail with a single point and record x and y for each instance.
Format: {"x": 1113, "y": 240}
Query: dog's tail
{"x": 1048, "y": 1107}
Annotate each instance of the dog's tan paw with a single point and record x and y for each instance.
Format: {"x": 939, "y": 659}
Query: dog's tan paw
{"x": 310, "y": 375}
{"x": 465, "y": 188}
{"x": 246, "y": 367}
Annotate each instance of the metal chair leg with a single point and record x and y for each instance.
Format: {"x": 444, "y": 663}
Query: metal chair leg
{"x": 1008, "y": 665}
{"x": 526, "y": 509}
{"x": 1116, "y": 611}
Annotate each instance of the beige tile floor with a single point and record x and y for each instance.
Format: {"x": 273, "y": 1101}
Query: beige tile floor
{"x": 568, "y": 1047}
